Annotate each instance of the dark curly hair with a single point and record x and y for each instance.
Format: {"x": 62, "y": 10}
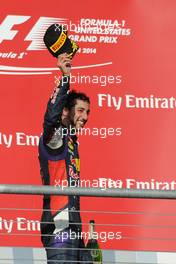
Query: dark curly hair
{"x": 73, "y": 96}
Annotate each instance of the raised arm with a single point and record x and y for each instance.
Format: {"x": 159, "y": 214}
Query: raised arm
{"x": 52, "y": 118}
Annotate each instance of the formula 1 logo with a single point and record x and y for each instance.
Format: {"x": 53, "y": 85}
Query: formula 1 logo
{"x": 35, "y": 36}
{"x": 10, "y": 31}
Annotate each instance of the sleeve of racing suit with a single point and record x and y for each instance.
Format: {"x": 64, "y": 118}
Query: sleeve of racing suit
{"x": 52, "y": 118}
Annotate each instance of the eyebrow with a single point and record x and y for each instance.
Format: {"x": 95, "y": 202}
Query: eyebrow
{"x": 82, "y": 108}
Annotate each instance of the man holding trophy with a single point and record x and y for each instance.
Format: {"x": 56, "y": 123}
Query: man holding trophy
{"x": 59, "y": 158}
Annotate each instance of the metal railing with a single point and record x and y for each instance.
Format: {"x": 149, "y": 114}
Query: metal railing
{"x": 86, "y": 192}
{"x": 92, "y": 192}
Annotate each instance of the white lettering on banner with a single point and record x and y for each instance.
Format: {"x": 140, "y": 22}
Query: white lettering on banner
{"x": 5, "y": 27}
{"x": 133, "y": 102}
{"x": 126, "y": 183}
{"x": 105, "y": 39}
{"x": 27, "y": 225}
{"x": 99, "y": 30}
{"x": 5, "y": 140}
{"x": 26, "y": 140}
{"x": 101, "y": 22}
{"x": 149, "y": 102}
{"x": 150, "y": 185}
{"x": 105, "y": 183}
{"x": 83, "y": 38}
{"x": 86, "y": 38}
{"x": 10, "y": 55}
{"x": 90, "y": 27}
{"x": 20, "y": 223}
{"x": 6, "y": 225}
{"x": 109, "y": 101}
{"x": 20, "y": 138}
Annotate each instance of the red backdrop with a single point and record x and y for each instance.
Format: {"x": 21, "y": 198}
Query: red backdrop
{"x": 129, "y": 54}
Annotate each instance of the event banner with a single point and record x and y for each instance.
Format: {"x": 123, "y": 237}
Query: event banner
{"x": 126, "y": 65}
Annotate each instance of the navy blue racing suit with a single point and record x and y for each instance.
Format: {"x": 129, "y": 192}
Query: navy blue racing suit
{"x": 59, "y": 164}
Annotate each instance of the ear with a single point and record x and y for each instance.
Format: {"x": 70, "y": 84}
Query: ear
{"x": 65, "y": 112}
